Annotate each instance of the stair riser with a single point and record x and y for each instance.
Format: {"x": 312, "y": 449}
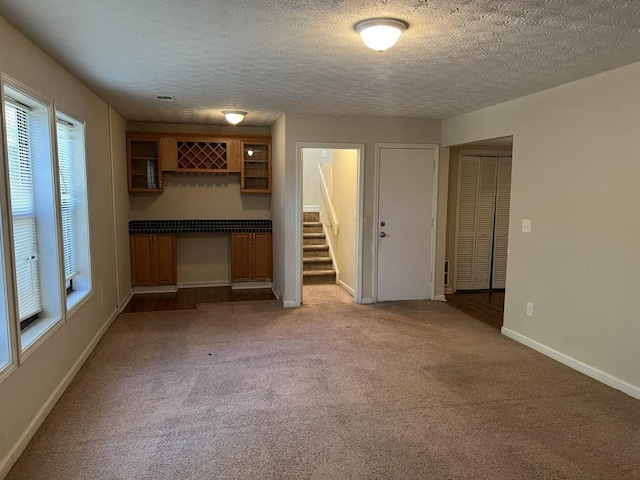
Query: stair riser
{"x": 313, "y": 241}
{"x": 320, "y": 280}
{"x": 307, "y": 267}
{"x": 315, "y": 253}
{"x": 310, "y": 217}
{"x": 312, "y": 229}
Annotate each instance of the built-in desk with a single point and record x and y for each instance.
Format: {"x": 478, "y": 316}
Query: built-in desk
{"x": 154, "y": 253}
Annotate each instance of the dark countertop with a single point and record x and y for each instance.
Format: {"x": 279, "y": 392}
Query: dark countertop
{"x": 199, "y": 226}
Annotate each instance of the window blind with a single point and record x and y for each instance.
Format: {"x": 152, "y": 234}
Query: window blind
{"x": 23, "y": 211}
{"x": 66, "y": 144}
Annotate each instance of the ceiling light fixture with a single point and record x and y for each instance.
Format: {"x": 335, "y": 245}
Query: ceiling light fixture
{"x": 380, "y": 33}
{"x": 234, "y": 117}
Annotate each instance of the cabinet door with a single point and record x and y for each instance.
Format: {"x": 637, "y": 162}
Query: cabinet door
{"x": 501, "y": 242}
{"x": 241, "y": 257}
{"x": 165, "y": 259}
{"x": 144, "y": 165}
{"x": 256, "y": 167}
{"x": 141, "y": 260}
{"x": 262, "y": 256}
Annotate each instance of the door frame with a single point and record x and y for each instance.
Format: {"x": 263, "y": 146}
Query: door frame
{"x": 360, "y": 148}
{"x": 434, "y": 214}
{"x": 453, "y": 278}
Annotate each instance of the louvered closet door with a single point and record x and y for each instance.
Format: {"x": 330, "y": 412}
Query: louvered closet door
{"x": 501, "y": 242}
{"x": 477, "y": 190}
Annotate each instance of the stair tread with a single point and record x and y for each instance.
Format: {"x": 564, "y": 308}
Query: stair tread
{"x": 316, "y": 273}
{"x": 315, "y": 247}
{"x": 317, "y": 259}
{"x": 313, "y": 235}
{"x": 311, "y": 224}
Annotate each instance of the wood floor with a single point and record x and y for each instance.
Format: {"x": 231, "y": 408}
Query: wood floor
{"x": 488, "y": 307}
{"x": 188, "y": 298}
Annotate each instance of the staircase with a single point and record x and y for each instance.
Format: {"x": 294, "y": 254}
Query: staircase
{"x": 317, "y": 266}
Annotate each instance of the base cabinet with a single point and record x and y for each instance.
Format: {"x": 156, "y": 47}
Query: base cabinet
{"x": 153, "y": 259}
{"x": 251, "y": 257}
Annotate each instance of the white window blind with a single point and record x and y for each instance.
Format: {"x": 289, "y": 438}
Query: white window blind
{"x": 23, "y": 211}
{"x": 66, "y": 146}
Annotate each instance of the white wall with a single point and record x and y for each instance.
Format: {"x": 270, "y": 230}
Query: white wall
{"x": 345, "y": 190}
{"x": 311, "y": 158}
{"x": 341, "y": 129}
{"x": 281, "y": 237}
{"x": 576, "y": 175}
{"x": 28, "y": 393}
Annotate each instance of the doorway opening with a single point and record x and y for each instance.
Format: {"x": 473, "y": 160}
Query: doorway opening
{"x": 330, "y": 184}
{"x": 478, "y": 228}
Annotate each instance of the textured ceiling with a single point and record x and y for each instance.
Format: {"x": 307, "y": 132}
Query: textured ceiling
{"x": 274, "y": 56}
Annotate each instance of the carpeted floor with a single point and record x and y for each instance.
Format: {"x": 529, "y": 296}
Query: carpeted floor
{"x": 408, "y": 390}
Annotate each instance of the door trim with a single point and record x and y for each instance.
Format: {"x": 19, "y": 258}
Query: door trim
{"x": 434, "y": 214}
{"x": 360, "y": 148}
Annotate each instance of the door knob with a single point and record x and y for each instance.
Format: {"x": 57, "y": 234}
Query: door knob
{"x": 382, "y": 234}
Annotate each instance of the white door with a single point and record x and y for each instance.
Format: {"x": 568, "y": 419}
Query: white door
{"x": 501, "y": 241}
{"x": 405, "y": 210}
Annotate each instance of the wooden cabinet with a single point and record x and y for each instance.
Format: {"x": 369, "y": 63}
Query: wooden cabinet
{"x": 256, "y": 167}
{"x": 144, "y": 165}
{"x": 251, "y": 257}
{"x": 203, "y": 155}
{"x": 153, "y": 259}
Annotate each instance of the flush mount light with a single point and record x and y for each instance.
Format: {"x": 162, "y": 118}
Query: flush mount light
{"x": 380, "y": 33}
{"x": 234, "y": 117}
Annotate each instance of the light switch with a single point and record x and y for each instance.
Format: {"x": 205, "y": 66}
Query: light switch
{"x": 526, "y": 226}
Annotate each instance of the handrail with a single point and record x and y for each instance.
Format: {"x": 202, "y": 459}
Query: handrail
{"x": 333, "y": 216}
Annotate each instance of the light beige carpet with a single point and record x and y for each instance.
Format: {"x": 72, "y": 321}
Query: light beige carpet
{"x": 410, "y": 390}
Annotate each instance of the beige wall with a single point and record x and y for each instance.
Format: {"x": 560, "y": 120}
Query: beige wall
{"x": 29, "y": 391}
{"x": 281, "y": 237}
{"x": 202, "y": 260}
{"x": 351, "y": 130}
{"x": 311, "y": 158}
{"x": 575, "y": 175}
{"x": 122, "y": 206}
{"x": 345, "y": 190}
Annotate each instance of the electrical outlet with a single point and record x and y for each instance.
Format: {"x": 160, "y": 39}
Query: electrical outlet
{"x": 529, "y": 309}
{"x": 526, "y": 226}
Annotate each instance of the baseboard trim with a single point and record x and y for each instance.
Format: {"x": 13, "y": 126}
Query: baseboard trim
{"x": 10, "y": 459}
{"x": 156, "y": 289}
{"x": 347, "y": 288}
{"x": 204, "y": 283}
{"x": 311, "y": 208}
{"x": 275, "y": 292}
{"x": 126, "y": 301}
{"x": 588, "y": 370}
{"x": 367, "y": 301}
{"x": 290, "y": 304}
{"x": 249, "y": 285}
{"x": 439, "y": 298}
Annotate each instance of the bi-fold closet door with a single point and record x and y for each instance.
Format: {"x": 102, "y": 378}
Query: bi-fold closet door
{"x": 484, "y": 184}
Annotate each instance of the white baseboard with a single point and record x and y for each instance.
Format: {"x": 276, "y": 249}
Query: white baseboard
{"x": 290, "y": 304}
{"x": 276, "y": 292}
{"x": 204, "y": 283}
{"x": 439, "y": 298}
{"x": 588, "y": 370}
{"x": 38, "y": 419}
{"x": 125, "y": 302}
{"x": 156, "y": 289}
{"x": 347, "y": 287}
{"x": 367, "y": 301}
{"x": 247, "y": 285}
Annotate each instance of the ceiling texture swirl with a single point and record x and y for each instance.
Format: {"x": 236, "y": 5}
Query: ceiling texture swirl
{"x": 269, "y": 57}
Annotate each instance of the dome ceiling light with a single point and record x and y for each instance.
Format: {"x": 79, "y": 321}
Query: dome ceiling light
{"x": 380, "y": 33}
{"x": 234, "y": 117}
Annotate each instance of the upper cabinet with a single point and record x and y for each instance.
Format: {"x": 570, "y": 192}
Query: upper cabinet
{"x": 144, "y": 165}
{"x": 151, "y": 154}
{"x": 256, "y": 167}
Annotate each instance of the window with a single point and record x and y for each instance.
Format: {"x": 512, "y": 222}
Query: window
{"x": 73, "y": 207}
{"x": 33, "y": 216}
